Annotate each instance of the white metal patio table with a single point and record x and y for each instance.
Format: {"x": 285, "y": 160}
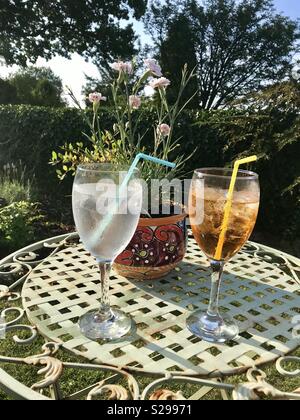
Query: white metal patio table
{"x": 52, "y": 283}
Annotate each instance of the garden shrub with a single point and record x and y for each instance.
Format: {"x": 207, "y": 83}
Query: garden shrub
{"x": 271, "y": 129}
{"x": 18, "y": 225}
{"x": 14, "y": 185}
{"x": 31, "y": 133}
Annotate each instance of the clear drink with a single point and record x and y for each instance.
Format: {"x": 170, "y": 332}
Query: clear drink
{"x": 106, "y": 214}
{"x": 103, "y": 231}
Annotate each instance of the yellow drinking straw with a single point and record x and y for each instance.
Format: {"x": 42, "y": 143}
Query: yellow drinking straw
{"x": 228, "y": 205}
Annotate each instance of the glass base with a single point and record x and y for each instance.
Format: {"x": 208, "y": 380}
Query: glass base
{"x": 114, "y": 327}
{"x": 213, "y": 329}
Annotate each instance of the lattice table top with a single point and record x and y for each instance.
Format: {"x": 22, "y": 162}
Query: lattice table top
{"x": 260, "y": 290}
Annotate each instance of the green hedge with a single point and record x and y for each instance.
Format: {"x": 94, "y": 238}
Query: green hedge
{"x": 270, "y": 128}
{"x": 30, "y": 134}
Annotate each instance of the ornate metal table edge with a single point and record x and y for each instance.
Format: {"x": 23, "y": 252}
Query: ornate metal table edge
{"x": 21, "y": 264}
{"x": 51, "y": 370}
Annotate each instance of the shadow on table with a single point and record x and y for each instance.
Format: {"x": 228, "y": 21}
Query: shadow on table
{"x": 264, "y": 309}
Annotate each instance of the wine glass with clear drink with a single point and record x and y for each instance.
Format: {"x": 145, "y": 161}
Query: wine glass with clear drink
{"x": 208, "y": 197}
{"x": 106, "y": 215}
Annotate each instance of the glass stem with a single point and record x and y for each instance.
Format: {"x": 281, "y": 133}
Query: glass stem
{"x": 217, "y": 271}
{"x": 105, "y": 311}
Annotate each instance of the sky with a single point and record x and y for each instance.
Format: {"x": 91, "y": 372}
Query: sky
{"x": 73, "y": 71}
{"x": 289, "y": 7}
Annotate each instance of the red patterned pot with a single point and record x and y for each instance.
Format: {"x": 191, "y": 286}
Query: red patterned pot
{"x": 156, "y": 248}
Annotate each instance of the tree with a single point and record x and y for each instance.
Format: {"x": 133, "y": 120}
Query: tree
{"x": 37, "y": 28}
{"x": 158, "y": 17}
{"x": 8, "y": 93}
{"x": 37, "y": 86}
{"x": 179, "y": 39}
{"x": 240, "y": 46}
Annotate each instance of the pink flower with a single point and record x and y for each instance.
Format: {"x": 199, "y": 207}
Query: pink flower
{"x": 164, "y": 129}
{"x": 153, "y": 66}
{"x": 135, "y": 101}
{"x": 159, "y": 83}
{"x": 120, "y": 66}
{"x": 96, "y": 97}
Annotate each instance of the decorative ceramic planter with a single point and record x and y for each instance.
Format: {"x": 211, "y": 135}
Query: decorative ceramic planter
{"x": 156, "y": 248}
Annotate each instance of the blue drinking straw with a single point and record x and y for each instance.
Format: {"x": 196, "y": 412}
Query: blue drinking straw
{"x": 141, "y": 156}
